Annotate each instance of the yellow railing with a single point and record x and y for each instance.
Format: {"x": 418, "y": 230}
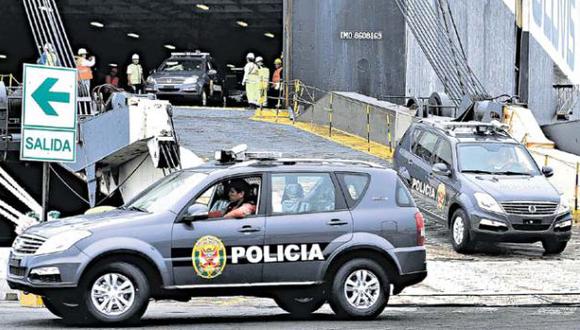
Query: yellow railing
{"x": 9, "y": 80}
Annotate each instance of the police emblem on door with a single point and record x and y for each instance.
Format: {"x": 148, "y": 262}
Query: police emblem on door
{"x": 209, "y": 257}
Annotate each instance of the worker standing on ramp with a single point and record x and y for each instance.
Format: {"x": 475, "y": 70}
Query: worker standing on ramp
{"x": 264, "y": 76}
{"x": 84, "y": 66}
{"x": 251, "y": 80}
{"x": 135, "y": 75}
{"x": 277, "y": 82}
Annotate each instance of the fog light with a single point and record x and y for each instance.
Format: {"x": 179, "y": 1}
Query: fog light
{"x": 563, "y": 224}
{"x": 486, "y": 222}
{"x": 44, "y": 271}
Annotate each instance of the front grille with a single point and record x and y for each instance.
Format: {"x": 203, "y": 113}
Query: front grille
{"x": 17, "y": 271}
{"x": 27, "y": 244}
{"x": 170, "y": 80}
{"x": 531, "y": 227}
{"x": 530, "y": 208}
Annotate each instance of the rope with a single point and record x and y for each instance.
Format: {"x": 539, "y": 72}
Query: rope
{"x": 67, "y": 185}
{"x": 124, "y": 181}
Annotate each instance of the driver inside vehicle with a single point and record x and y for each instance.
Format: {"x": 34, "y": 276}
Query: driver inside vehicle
{"x": 240, "y": 205}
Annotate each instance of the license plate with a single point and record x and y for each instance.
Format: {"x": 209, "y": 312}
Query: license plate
{"x": 15, "y": 262}
{"x": 167, "y": 87}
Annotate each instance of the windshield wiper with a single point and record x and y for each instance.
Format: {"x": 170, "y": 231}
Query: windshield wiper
{"x": 134, "y": 208}
{"x": 512, "y": 173}
{"x": 477, "y": 171}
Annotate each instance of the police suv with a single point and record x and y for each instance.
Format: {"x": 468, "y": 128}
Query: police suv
{"x": 346, "y": 232}
{"x": 484, "y": 184}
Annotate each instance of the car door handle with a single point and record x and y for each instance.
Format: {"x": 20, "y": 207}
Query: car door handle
{"x": 249, "y": 229}
{"x": 337, "y": 222}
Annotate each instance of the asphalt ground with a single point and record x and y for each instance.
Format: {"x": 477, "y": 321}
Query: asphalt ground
{"x": 237, "y": 313}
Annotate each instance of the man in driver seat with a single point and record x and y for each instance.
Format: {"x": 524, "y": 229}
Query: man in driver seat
{"x": 240, "y": 205}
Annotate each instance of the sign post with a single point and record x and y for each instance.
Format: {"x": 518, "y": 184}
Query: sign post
{"x": 49, "y": 119}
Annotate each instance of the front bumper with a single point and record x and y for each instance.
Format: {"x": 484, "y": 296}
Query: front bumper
{"x": 21, "y": 274}
{"x": 175, "y": 90}
{"x": 519, "y": 229}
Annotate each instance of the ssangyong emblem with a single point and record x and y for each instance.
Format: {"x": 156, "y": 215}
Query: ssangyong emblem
{"x": 532, "y": 208}
{"x": 209, "y": 257}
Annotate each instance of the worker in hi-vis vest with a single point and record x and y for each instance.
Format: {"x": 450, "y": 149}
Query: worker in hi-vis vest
{"x": 264, "y": 75}
{"x": 251, "y": 80}
{"x": 84, "y": 67}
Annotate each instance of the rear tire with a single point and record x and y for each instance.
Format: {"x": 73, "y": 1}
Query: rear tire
{"x": 360, "y": 290}
{"x": 300, "y": 305}
{"x": 554, "y": 247}
{"x": 460, "y": 233}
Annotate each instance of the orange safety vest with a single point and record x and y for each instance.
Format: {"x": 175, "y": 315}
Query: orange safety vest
{"x": 277, "y": 75}
{"x": 85, "y": 72}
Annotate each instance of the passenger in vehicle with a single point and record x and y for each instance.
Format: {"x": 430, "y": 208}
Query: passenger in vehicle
{"x": 240, "y": 204}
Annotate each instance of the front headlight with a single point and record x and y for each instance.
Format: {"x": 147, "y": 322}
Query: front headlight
{"x": 151, "y": 80}
{"x": 563, "y": 207}
{"x": 63, "y": 241}
{"x": 191, "y": 80}
{"x": 488, "y": 203}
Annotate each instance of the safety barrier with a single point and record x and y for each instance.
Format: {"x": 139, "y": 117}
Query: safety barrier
{"x": 9, "y": 80}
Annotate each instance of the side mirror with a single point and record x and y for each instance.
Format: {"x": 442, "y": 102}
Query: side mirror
{"x": 547, "y": 171}
{"x": 196, "y": 212}
{"x": 441, "y": 169}
{"x": 212, "y": 72}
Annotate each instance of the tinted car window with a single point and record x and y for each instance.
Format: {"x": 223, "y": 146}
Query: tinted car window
{"x": 495, "y": 158}
{"x": 443, "y": 153}
{"x": 426, "y": 146}
{"x": 415, "y": 139}
{"x": 178, "y": 65}
{"x": 354, "y": 185}
{"x": 403, "y": 197}
{"x": 302, "y": 193}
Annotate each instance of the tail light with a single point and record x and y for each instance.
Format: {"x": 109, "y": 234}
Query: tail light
{"x": 420, "y": 222}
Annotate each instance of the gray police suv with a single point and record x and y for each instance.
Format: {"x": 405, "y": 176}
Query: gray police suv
{"x": 189, "y": 75}
{"x": 345, "y": 232}
{"x": 484, "y": 184}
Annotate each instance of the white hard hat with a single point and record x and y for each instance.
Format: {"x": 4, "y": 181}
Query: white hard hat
{"x": 250, "y": 56}
{"x": 48, "y": 46}
{"x": 135, "y": 57}
{"x": 259, "y": 59}
{"x": 82, "y": 51}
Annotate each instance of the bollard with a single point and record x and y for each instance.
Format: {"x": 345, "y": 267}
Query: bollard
{"x": 546, "y": 160}
{"x": 295, "y": 96}
{"x": 369, "y": 127}
{"x": 330, "y": 116}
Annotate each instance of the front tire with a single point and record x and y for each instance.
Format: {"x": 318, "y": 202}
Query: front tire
{"x": 360, "y": 290}
{"x": 300, "y": 305}
{"x": 460, "y": 233}
{"x": 113, "y": 293}
{"x": 553, "y": 246}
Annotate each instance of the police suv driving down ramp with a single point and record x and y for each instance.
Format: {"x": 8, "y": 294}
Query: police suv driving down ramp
{"x": 484, "y": 184}
{"x": 300, "y": 231}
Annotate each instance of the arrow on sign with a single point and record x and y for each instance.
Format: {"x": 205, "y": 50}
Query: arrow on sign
{"x": 43, "y": 96}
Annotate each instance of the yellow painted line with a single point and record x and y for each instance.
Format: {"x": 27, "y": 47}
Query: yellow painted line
{"x": 343, "y": 138}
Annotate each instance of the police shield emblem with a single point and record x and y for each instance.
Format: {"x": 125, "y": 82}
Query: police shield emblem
{"x": 209, "y": 257}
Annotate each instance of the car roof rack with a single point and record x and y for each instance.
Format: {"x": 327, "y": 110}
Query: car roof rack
{"x": 317, "y": 161}
{"x": 493, "y": 127}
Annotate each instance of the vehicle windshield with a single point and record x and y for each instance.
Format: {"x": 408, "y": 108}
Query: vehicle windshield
{"x": 495, "y": 158}
{"x": 178, "y": 65}
{"x": 163, "y": 194}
